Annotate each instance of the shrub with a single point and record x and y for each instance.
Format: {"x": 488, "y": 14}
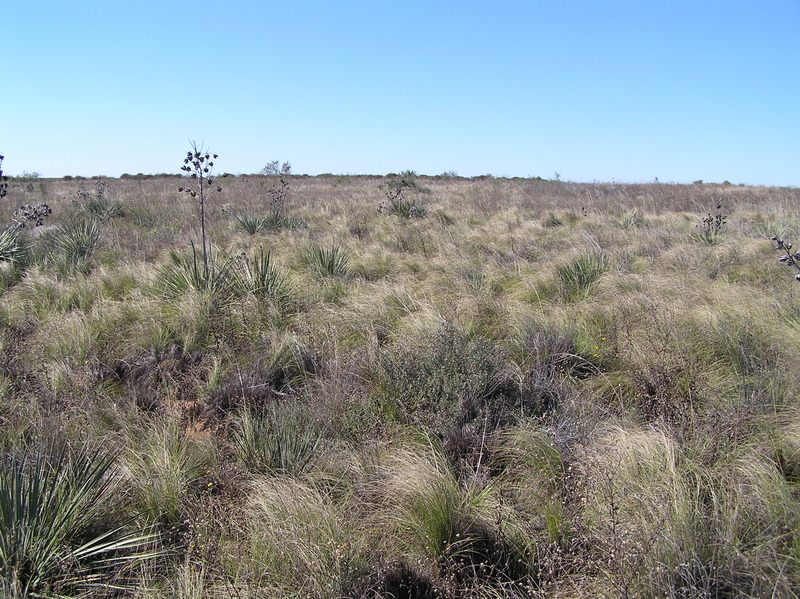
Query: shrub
{"x": 545, "y": 358}
{"x": 446, "y": 379}
{"x": 159, "y": 374}
{"x": 251, "y": 389}
{"x": 276, "y": 168}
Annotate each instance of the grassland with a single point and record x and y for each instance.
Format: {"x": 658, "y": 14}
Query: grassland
{"x": 502, "y": 388}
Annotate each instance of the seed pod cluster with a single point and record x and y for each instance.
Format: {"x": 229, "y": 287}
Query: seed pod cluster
{"x": 789, "y": 259}
{"x": 31, "y": 213}
{"x": 199, "y": 165}
{"x": 3, "y": 180}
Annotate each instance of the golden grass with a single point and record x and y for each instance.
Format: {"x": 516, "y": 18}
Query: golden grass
{"x": 648, "y": 443}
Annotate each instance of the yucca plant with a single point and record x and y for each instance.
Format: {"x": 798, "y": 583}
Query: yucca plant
{"x": 260, "y": 276}
{"x": 104, "y": 208}
{"x": 12, "y": 246}
{"x": 199, "y": 165}
{"x": 396, "y": 202}
{"x": 790, "y": 258}
{"x": 98, "y": 204}
{"x": 712, "y": 226}
{"x": 277, "y": 439}
{"x": 276, "y": 221}
{"x": 55, "y": 537}
{"x": 257, "y": 223}
{"x": 249, "y": 223}
{"x": 76, "y": 241}
{"x": 3, "y": 180}
{"x": 327, "y": 262}
{"x": 186, "y": 273}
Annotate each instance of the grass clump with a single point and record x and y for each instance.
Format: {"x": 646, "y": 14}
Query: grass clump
{"x": 299, "y": 542}
{"x": 166, "y": 467}
{"x": 577, "y": 278}
{"x": 454, "y": 526}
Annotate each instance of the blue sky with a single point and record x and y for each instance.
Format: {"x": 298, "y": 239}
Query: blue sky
{"x": 613, "y": 90}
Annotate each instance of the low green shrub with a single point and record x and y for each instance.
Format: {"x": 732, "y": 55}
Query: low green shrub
{"x": 445, "y": 379}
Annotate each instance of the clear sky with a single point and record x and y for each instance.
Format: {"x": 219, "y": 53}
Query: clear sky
{"x": 625, "y": 90}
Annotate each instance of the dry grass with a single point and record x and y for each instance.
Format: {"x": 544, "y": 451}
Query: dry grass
{"x": 536, "y": 388}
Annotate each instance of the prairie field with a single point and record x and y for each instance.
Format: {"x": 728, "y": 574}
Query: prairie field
{"x": 398, "y": 387}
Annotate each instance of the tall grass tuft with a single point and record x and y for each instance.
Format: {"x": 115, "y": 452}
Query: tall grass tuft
{"x": 299, "y": 542}
{"x": 457, "y": 526}
{"x": 165, "y": 467}
{"x": 577, "y": 278}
